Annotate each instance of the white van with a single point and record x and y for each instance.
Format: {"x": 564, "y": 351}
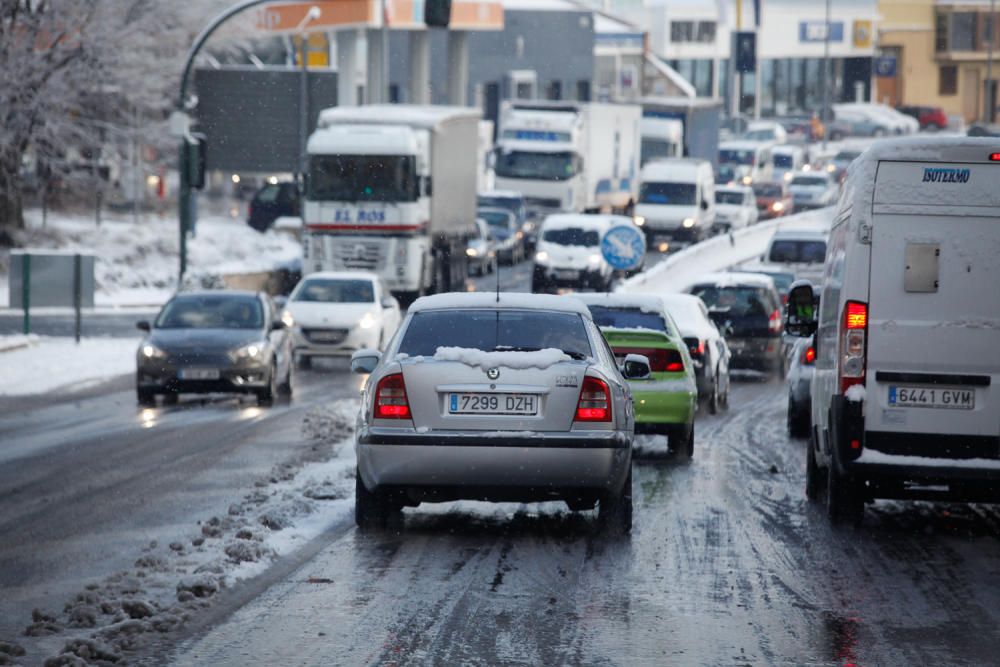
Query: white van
{"x": 745, "y": 162}
{"x": 676, "y": 199}
{"x": 906, "y": 393}
{"x": 568, "y": 252}
{"x": 788, "y": 159}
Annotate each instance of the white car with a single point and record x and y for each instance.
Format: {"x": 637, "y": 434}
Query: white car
{"x": 904, "y": 392}
{"x": 338, "y": 313}
{"x": 813, "y": 190}
{"x": 735, "y": 207}
{"x": 568, "y": 253}
{"x": 768, "y": 131}
{"x": 798, "y": 251}
{"x": 708, "y": 348}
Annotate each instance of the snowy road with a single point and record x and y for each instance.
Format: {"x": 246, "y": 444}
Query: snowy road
{"x": 728, "y": 564}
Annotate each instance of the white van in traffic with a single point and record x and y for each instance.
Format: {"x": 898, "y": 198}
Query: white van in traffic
{"x": 676, "y": 198}
{"x": 906, "y": 393}
{"x": 745, "y": 162}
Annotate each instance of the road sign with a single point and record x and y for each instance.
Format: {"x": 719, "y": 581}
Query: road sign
{"x": 624, "y": 247}
{"x": 885, "y": 67}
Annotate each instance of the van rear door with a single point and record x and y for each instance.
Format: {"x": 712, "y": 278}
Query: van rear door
{"x": 933, "y": 359}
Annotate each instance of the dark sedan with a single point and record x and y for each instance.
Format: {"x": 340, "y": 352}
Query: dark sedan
{"x": 214, "y": 342}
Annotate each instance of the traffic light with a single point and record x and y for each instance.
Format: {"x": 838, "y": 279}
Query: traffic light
{"x": 437, "y": 13}
{"x": 745, "y": 50}
{"x": 197, "y": 153}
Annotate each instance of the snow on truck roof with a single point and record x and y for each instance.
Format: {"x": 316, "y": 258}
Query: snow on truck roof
{"x": 507, "y": 301}
{"x": 424, "y": 116}
{"x": 937, "y": 149}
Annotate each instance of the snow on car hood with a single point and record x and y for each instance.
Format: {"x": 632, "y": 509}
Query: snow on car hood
{"x": 337, "y": 315}
{"x": 540, "y": 359}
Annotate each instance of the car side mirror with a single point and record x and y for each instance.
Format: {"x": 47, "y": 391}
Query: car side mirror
{"x": 635, "y": 367}
{"x": 388, "y": 302}
{"x": 704, "y": 204}
{"x": 142, "y": 325}
{"x": 800, "y": 311}
{"x": 365, "y": 361}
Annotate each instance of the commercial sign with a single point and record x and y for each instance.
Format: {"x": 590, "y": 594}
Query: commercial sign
{"x": 862, "y": 34}
{"x": 885, "y": 67}
{"x": 815, "y": 31}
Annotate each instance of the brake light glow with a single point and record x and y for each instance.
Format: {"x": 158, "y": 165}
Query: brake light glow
{"x": 853, "y": 345}
{"x": 595, "y": 401}
{"x": 774, "y": 322}
{"x": 994, "y": 157}
{"x": 660, "y": 360}
{"x": 809, "y": 356}
{"x": 390, "y": 398}
{"x": 856, "y": 315}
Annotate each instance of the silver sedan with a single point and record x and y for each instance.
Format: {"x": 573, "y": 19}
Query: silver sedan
{"x": 513, "y": 397}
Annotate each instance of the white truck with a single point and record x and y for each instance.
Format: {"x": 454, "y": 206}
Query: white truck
{"x": 569, "y": 156}
{"x": 392, "y": 189}
{"x": 661, "y": 138}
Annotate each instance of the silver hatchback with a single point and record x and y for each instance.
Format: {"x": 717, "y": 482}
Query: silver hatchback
{"x": 513, "y": 397}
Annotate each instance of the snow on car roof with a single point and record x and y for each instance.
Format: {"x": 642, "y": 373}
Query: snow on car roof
{"x": 505, "y": 194}
{"x": 342, "y": 275}
{"x": 741, "y": 189}
{"x": 579, "y": 220}
{"x": 734, "y": 278}
{"x": 507, "y": 300}
{"x": 647, "y": 303}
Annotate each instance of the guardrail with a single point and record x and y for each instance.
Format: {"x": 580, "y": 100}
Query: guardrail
{"x": 719, "y": 253}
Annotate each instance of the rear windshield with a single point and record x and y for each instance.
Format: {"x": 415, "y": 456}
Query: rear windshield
{"x": 810, "y": 180}
{"x": 211, "y": 312}
{"x": 628, "y": 318}
{"x": 326, "y": 290}
{"x": 736, "y": 300}
{"x": 723, "y": 197}
{"x": 572, "y": 236}
{"x": 667, "y": 193}
{"x": 788, "y": 250}
{"x": 733, "y": 156}
{"x": 490, "y": 330}
{"x": 767, "y": 190}
{"x": 783, "y": 161}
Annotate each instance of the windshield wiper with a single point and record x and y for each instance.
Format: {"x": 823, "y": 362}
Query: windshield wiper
{"x": 573, "y": 354}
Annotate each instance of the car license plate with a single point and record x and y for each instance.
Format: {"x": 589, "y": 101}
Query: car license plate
{"x": 198, "y": 374}
{"x": 736, "y": 344}
{"x": 567, "y": 274}
{"x": 493, "y": 404}
{"x": 932, "y": 397}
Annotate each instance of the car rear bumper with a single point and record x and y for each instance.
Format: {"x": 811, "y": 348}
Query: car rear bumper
{"x": 545, "y": 275}
{"x": 231, "y": 380}
{"x": 584, "y": 460}
{"x": 664, "y": 407}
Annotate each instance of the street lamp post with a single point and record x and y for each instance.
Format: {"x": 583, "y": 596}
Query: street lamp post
{"x": 825, "y": 111}
{"x": 313, "y": 14}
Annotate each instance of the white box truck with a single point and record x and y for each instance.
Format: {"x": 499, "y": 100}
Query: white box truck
{"x": 906, "y": 389}
{"x": 392, "y": 189}
{"x": 569, "y": 156}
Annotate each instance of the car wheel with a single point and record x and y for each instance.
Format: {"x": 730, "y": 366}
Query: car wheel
{"x": 145, "y": 398}
{"x": 845, "y": 502}
{"x": 265, "y": 396}
{"x": 814, "y": 476}
{"x": 681, "y": 443}
{"x": 614, "y": 510}
{"x": 285, "y": 388}
{"x": 713, "y": 399}
{"x": 371, "y": 508}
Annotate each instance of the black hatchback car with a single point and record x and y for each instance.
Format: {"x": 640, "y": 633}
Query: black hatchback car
{"x": 215, "y": 341}
{"x": 747, "y": 309}
{"x": 273, "y": 201}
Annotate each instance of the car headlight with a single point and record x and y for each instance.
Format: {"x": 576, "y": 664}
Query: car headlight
{"x": 688, "y": 223}
{"x": 367, "y": 321}
{"x": 831, "y": 168}
{"x": 639, "y": 220}
{"x": 778, "y": 206}
{"x": 788, "y": 176}
{"x": 541, "y": 257}
{"x": 249, "y": 352}
{"x": 529, "y": 227}
{"x": 472, "y": 252}
{"x": 520, "y": 234}
{"x": 747, "y": 180}
{"x": 287, "y": 319}
{"x": 594, "y": 259}
{"x": 807, "y": 167}
{"x": 150, "y": 351}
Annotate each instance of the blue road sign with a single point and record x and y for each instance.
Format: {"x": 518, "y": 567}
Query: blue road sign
{"x": 624, "y": 247}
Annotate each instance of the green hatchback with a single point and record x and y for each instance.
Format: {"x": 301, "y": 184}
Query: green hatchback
{"x": 667, "y": 400}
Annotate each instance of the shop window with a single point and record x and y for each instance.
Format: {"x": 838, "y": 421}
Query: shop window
{"x": 682, "y": 31}
{"x": 706, "y": 32}
{"x": 948, "y": 80}
{"x": 941, "y": 32}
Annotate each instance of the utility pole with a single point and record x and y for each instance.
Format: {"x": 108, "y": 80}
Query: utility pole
{"x": 384, "y": 64}
{"x": 990, "y": 102}
{"x": 737, "y": 82}
{"x": 825, "y": 111}
{"x": 313, "y": 14}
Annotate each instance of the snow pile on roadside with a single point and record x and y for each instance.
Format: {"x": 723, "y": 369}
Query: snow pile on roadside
{"x": 133, "y": 609}
{"x": 137, "y": 262}
{"x": 17, "y": 341}
{"x": 49, "y": 364}
{"x": 541, "y": 359}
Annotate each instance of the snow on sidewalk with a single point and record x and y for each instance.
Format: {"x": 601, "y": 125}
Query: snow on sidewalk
{"x": 41, "y": 364}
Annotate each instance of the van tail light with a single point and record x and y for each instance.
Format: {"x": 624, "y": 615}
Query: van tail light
{"x": 660, "y": 361}
{"x": 595, "y": 401}
{"x": 774, "y": 322}
{"x": 809, "y": 356}
{"x": 853, "y": 344}
{"x": 390, "y": 398}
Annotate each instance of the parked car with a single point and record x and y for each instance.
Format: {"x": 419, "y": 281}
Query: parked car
{"x": 928, "y": 117}
{"x": 767, "y": 131}
{"x": 904, "y": 403}
{"x": 273, "y": 201}
{"x": 505, "y": 232}
{"x": 708, "y": 348}
{"x": 482, "y": 250}
{"x": 223, "y": 341}
{"x": 509, "y": 397}
{"x": 735, "y": 207}
{"x": 773, "y": 199}
{"x": 798, "y": 251}
{"x": 569, "y": 253}
{"x": 747, "y": 309}
{"x": 666, "y": 401}
{"x": 801, "y": 366}
{"x": 513, "y": 202}
{"x": 983, "y": 130}
{"x": 861, "y": 124}
{"x": 336, "y": 313}
{"x": 813, "y": 190}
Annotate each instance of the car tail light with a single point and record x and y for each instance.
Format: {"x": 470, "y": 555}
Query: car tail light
{"x": 696, "y": 347}
{"x": 660, "y": 361}
{"x": 595, "y": 401}
{"x": 390, "y": 398}
{"x": 809, "y": 356}
{"x": 774, "y": 322}
{"x": 853, "y": 344}
{"x": 995, "y": 157}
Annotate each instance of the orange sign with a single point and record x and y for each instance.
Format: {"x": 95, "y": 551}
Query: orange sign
{"x": 401, "y": 14}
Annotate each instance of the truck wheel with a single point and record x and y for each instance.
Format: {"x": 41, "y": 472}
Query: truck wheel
{"x": 814, "y": 476}
{"x": 614, "y": 510}
{"x": 845, "y": 502}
